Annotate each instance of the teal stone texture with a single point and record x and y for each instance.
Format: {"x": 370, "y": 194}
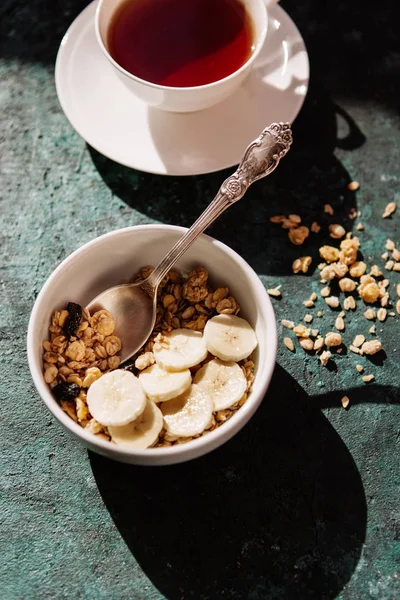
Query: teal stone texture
{"x": 304, "y": 502}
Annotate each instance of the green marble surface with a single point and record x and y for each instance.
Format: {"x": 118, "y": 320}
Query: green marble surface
{"x": 304, "y": 502}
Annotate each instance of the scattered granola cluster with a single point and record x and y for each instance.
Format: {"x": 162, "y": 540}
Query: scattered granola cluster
{"x": 343, "y": 272}
{"x": 82, "y": 347}
{"x": 389, "y": 210}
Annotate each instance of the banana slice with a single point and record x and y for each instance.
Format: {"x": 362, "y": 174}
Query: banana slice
{"x": 229, "y": 337}
{"x": 189, "y": 414}
{"x": 160, "y": 385}
{"x": 143, "y": 432}
{"x": 116, "y": 398}
{"x": 224, "y": 381}
{"x": 180, "y": 349}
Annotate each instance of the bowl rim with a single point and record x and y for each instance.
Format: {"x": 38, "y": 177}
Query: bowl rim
{"x": 220, "y": 435}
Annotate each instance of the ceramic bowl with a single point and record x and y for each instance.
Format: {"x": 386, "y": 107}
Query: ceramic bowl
{"x": 116, "y": 256}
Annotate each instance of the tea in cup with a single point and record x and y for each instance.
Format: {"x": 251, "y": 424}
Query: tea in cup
{"x": 181, "y": 55}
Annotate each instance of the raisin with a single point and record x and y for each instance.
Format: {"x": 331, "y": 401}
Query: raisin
{"x": 66, "y": 391}
{"x": 73, "y": 320}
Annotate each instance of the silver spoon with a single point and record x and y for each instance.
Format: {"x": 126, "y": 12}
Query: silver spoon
{"x": 134, "y": 305}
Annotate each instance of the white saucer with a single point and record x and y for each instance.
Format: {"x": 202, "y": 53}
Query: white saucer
{"x": 114, "y": 122}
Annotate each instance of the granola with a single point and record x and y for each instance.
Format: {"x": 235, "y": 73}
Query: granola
{"x": 73, "y": 362}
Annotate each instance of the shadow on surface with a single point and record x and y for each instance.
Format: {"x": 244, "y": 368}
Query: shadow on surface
{"x": 277, "y": 512}
{"x": 309, "y": 177}
{"x": 372, "y": 394}
{"x": 32, "y": 31}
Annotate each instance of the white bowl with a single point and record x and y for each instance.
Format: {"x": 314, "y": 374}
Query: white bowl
{"x": 183, "y": 99}
{"x": 116, "y": 256}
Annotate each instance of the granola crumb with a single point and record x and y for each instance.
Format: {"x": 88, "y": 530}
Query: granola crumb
{"x": 359, "y": 340}
{"x": 313, "y": 297}
{"x": 348, "y": 250}
{"x": 385, "y": 300}
{"x": 385, "y": 255}
{"x": 360, "y": 368}
{"x": 319, "y": 343}
{"x": 347, "y": 285}
{"x": 389, "y": 265}
{"x": 369, "y": 290}
{"x": 274, "y": 292}
{"x": 368, "y": 378}
{"x": 289, "y": 224}
{"x": 345, "y": 401}
{"x": 396, "y": 266}
{"x": 306, "y": 343}
{"x": 298, "y": 235}
{"x": 339, "y": 324}
{"x": 301, "y": 330}
{"x": 360, "y": 227}
{"x": 336, "y": 231}
{"x": 288, "y": 343}
{"x": 308, "y": 303}
{"x": 357, "y": 269}
{"x": 315, "y": 228}
{"x": 329, "y": 253}
{"x": 396, "y": 254}
{"x": 375, "y": 271}
{"x": 320, "y": 313}
{"x": 332, "y": 301}
{"x": 325, "y": 292}
{"x": 349, "y": 303}
{"x": 371, "y": 347}
{"x": 355, "y": 349}
{"x": 370, "y": 314}
{"x": 308, "y": 318}
{"x": 353, "y": 186}
{"x": 372, "y": 329}
{"x": 390, "y": 245}
{"x": 381, "y": 314}
{"x": 328, "y": 209}
{"x": 389, "y": 210}
{"x": 333, "y": 339}
{"x": 301, "y": 264}
{"x": 340, "y": 269}
{"x": 145, "y": 360}
{"x": 287, "y": 324}
{"x": 325, "y": 356}
{"x": 352, "y": 214}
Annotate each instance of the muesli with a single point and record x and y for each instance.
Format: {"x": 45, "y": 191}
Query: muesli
{"x": 193, "y": 374}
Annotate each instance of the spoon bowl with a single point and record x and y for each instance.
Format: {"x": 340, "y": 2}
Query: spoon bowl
{"x": 134, "y": 311}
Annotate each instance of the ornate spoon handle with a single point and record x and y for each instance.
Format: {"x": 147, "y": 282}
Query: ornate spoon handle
{"x": 260, "y": 158}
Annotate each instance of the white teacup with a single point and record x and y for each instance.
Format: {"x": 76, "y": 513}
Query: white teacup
{"x": 184, "y": 99}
